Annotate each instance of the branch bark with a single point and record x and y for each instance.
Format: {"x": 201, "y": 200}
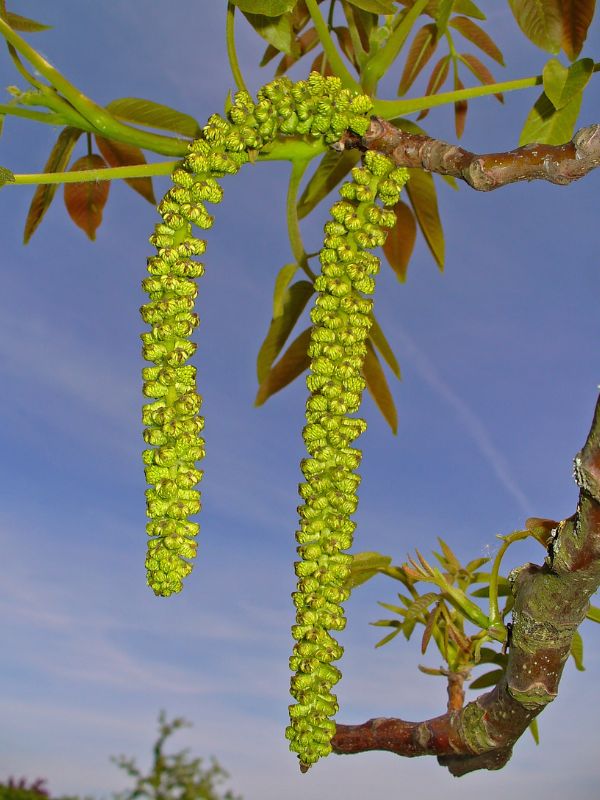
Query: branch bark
{"x": 560, "y": 164}
{"x": 551, "y": 601}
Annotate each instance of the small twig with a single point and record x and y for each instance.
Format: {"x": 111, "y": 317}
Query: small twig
{"x": 551, "y": 601}
{"x": 561, "y": 164}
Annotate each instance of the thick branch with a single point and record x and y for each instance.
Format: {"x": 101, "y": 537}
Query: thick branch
{"x": 551, "y": 601}
{"x": 560, "y": 164}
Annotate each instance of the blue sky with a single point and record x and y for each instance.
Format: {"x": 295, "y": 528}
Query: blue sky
{"x": 500, "y": 374}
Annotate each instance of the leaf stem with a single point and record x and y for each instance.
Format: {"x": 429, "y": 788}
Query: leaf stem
{"x": 36, "y": 116}
{"x": 231, "y": 51}
{"x": 376, "y": 66}
{"x": 298, "y": 169}
{"x": 87, "y": 175}
{"x": 331, "y": 51}
{"x": 495, "y": 616}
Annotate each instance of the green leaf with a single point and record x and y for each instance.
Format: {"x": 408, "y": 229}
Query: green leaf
{"x": 332, "y": 170}
{"x": 471, "y": 31}
{"x": 546, "y": 125}
{"x": 378, "y": 388}
{"x": 365, "y": 566}
{"x": 489, "y": 656}
{"x": 422, "y": 195}
{"x": 389, "y": 637}
{"x": 429, "y": 627}
{"x": 154, "y": 115}
{"x": 430, "y": 670}
{"x": 291, "y": 364}
{"x": 562, "y": 85}
{"x": 488, "y": 679}
{"x": 120, "y": 154}
{"x": 270, "y": 8}
{"x": 377, "y": 337}
{"x": 19, "y": 23}
{"x": 576, "y": 18}
{"x": 593, "y": 613}
{"x": 577, "y": 651}
{"x": 6, "y": 176}
{"x": 375, "y": 6}
{"x": 44, "y": 194}
{"x": 294, "y": 302}
{"x": 280, "y": 292}
{"x": 540, "y": 21}
{"x": 451, "y": 559}
{"x": 278, "y": 31}
{"x": 534, "y": 730}
{"x": 420, "y": 605}
{"x": 469, "y": 8}
{"x": 400, "y": 240}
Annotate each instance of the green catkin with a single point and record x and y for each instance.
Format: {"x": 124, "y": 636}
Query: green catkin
{"x": 316, "y": 108}
{"x": 341, "y": 321}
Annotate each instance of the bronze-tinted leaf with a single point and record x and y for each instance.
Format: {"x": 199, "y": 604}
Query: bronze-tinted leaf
{"x": 540, "y": 21}
{"x": 85, "y": 201}
{"x": 436, "y": 80}
{"x": 471, "y": 31}
{"x": 19, "y": 23}
{"x": 400, "y": 240}
{"x": 481, "y": 72}
{"x": 119, "y": 154}
{"x": 346, "y": 44}
{"x": 378, "y": 387}
{"x": 422, "y": 48}
{"x": 154, "y": 115}
{"x": 375, "y": 6}
{"x": 466, "y": 7}
{"x": 44, "y": 194}
{"x": 576, "y": 18}
{"x": 422, "y": 195}
{"x": 429, "y": 628}
{"x": 268, "y": 55}
{"x": 333, "y": 168}
{"x": 460, "y": 109}
{"x": 321, "y": 64}
{"x": 379, "y": 341}
{"x": 292, "y": 363}
{"x": 305, "y": 43}
{"x": 281, "y": 326}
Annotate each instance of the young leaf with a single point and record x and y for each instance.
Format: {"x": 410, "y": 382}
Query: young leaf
{"x": 420, "y": 605}
{"x": 119, "y": 154}
{"x": 332, "y": 170}
{"x": 154, "y": 115}
{"x": 281, "y": 326}
{"x": 44, "y": 194}
{"x": 390, "y": 636}
{"x": 346, "y": 44}
{"x": 487, "y": 679}
{"x": 436, "y": 80}
{"x": 322, "y": 65}
{"x": 400, "y": 240}
{"x": 468, "y": 8}
{"x": 270, "y": 8}
{"x": 85, "y": 201}
{"x": 375, "y": 6}
{"x": 534, "y": 730}
{"x": 282, "y": 281}
{"x": 460, "y": 109}
{"x": 365, "y": 566}
{"x": 546, "y": 125}
{"x": 291, "y": 364}
{"x": 576, "y": 18}
{"x": 377, "y": 337}
{"x": 540, "y": 21}
{"x": 378, "y": 388}
{"x": 19, "y": 23}
{"x": 593, "y": 613}
{"x": 562, "y": 85}
{"x": 422, "y": 48}
{"x": 429, "y": 626}
{"x": 577, "y": 651}
{"x": 278, "y": 31}
{"x": 451, "y": 559}
{"x": 471, "y": 31}
{"x": 304, "y": 44}
{"x": 480, "y": 71}
{"x": 422, "y": 196}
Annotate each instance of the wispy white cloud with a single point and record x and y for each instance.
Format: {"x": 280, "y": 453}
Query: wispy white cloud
{"x": 468, "y": 418}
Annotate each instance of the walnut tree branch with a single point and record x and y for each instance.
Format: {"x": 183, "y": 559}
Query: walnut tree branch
{"x": 551, "y": 601}
{"x": 560, "y": 164}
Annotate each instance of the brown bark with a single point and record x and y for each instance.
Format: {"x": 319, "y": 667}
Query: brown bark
{"x": 551, "y": 601}
{"x": 560, "y": 164}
